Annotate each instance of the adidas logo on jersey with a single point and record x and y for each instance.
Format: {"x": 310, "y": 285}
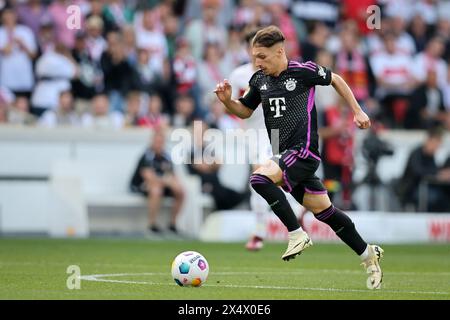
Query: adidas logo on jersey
{"x": 263, "y": 87}
{"x": 322, "y": 72}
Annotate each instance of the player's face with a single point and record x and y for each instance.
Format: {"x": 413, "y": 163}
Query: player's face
{"x": 268, "y": 59}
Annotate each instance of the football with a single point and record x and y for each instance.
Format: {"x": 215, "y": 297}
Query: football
{"x": 190, "y": 269}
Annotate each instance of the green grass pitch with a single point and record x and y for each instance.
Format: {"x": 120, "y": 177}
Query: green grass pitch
{"x": 140, "y": 269}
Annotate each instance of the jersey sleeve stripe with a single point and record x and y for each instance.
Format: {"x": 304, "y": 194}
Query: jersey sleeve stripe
{"x": 294, "y": 64}
{"x": 310, "y": 63}
{"x": 310, "y": 106}
{"x": 308, "y": 67}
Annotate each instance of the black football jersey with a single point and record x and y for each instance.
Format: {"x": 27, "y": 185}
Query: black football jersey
{"x": 288, "y": 103}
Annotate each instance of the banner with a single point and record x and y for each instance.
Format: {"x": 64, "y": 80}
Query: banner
{"x": 374, "y": 226}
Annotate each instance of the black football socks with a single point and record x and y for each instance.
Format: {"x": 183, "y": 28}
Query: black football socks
{"x": 344, "y": 228}
{"x": 276, "y": 200}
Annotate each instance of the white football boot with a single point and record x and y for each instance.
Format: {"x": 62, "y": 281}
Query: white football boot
{"x": 372, "y": 265}
{"x": 297, "y": 243}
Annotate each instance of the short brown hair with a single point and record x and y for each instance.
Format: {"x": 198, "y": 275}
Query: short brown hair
{"x": 267, "y": 37}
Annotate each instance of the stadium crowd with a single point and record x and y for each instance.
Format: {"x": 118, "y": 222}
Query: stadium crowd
{"x": 143, "y": 63}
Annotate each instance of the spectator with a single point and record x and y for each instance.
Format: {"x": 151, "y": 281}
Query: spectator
{"x": 19, "y": 112}
{"x": 184, "y": 111}
{"x": 426, "y": 106}
{"x": 351, "y": 64}
{"x": 96, "y": 9}
{"x": 374, "y": 40}
{"x": 154, "y": 118}
{"x": 152, "y": 39}
{"x": 31, "y": 14}
{"x": 430, "y": 60}
{"x": 63, "y": 115}
{"x": 133, "y": 112}
{"x": 317, "y": 38}
{"x": 95, "y": 43}
{"x": 129, "y": 41}
{"x": 90, "y": 79}
{"x": 337, "y": 131}
{"x": 101, "y": 118}
{"x": 46, "y": 38}
{"x": 54, "y": 70}
{"x": 171, "y": 32}
{"x": 209, "y": 27}
{"x": 404, "y": 42}
{"x": 154, "y": 177}
{"x": 208, "y": 171}
{"x": 184, "y": 68}
{"x": 187, "y": 76}
{"x": 236, "y": 51}
{"x": 119, "y": 76}
{"x": 147, "y": 76}
{"x": 395, "y": 81}
{"x": 211, "y": 70}
{"x": 151, "y": 117}
{"x": 443, "y": 31}
{"x": 419, "y": 31}
{"x": 17, "y": 50}
{"x": 420, "y": 169}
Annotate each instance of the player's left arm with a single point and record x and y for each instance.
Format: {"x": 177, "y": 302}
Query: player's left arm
{"x": 360, "y": 117}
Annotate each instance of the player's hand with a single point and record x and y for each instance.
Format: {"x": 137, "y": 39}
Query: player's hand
{"x": 362, "y": 120}
{"x": 223, "y": 91}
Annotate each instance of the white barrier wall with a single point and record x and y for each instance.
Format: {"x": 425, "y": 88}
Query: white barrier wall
{"x": 32, "y": 199}
{"x": 374, "y": 227}
{"x": 51, "y": 181}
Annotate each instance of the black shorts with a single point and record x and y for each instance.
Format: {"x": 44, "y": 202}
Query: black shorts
{"x": 299, "y": 174}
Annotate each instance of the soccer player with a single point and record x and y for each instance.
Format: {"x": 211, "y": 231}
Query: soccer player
{"x": 239, "y": 79}
{"x": 286, "y": 91}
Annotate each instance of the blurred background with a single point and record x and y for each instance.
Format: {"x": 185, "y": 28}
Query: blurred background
{"x": 85, "y": 85}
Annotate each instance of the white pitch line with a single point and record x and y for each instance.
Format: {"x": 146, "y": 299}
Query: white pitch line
{"x": 258, "y": 271}
{"x": 98, "y": 278}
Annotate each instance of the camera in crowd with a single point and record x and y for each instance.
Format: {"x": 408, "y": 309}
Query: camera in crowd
{"x": 374, "y": 148}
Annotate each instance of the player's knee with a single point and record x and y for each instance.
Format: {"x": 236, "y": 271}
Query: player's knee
{"x": 156, "y": 192}
{"x": 271, "y": 170}
{"x": 316, "y": 203}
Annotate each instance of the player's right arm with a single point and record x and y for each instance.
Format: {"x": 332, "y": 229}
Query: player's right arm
{"x": 223, "y": 92}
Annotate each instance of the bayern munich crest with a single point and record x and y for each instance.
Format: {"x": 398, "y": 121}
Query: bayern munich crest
{"x": 290, "y": 84}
